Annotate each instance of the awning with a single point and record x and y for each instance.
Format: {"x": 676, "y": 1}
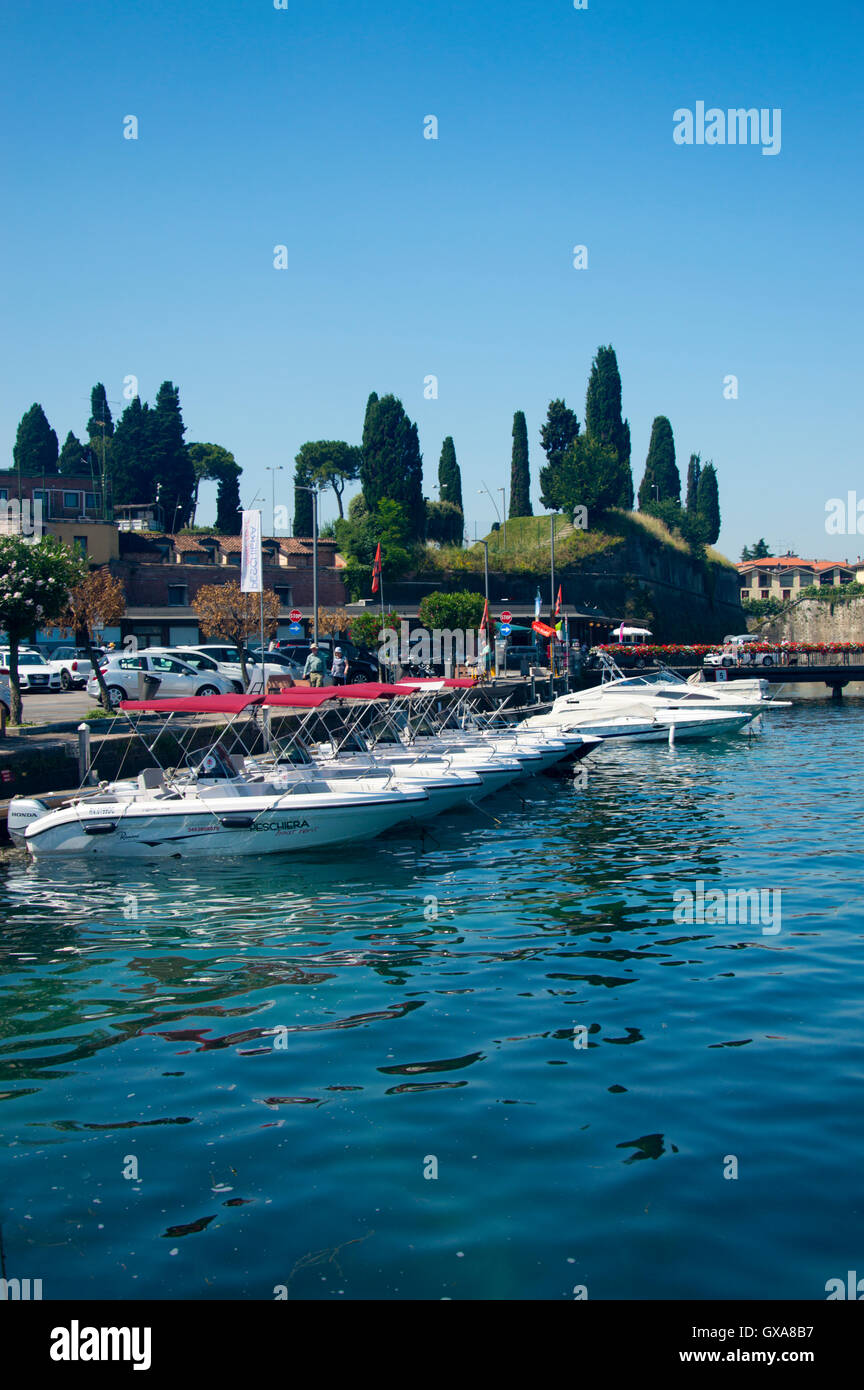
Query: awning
{"x": 195, "y": 704}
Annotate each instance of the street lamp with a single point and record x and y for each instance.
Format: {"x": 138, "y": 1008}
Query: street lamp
{"x": 273, "y": 469}
{"x": 314, "y": 491}
{"x": 501, "y": 523}
{"x": 485, "y": 545}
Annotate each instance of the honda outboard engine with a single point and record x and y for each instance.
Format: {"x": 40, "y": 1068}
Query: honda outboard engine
{"x": 23, "y": 811}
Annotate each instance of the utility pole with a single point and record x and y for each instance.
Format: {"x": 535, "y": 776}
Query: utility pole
{"x": 314, "y": 491}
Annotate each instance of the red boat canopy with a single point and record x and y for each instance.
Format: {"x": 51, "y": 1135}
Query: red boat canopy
{"x": 302, "y": 698}
{"x": 453, "y": 682}
{"x": 196, "y": 704}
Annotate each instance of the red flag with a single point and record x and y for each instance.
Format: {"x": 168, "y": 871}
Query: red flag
{"x": 558, "y": 602}
{"x": 484, "y": 623}
{"x": 544, "y": 629}
{"x": 376, "y": 570}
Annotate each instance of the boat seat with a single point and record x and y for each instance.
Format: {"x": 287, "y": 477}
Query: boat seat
{"x": 150, "y": 779}
{"x": 237, "y": 762}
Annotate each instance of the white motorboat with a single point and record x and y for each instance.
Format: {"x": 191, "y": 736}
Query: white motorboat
{"x": 641, "y": 723}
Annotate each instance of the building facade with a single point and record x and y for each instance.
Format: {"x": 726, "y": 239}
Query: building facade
{"x": 784, "y": 576}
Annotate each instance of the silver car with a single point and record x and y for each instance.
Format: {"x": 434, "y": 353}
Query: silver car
{"x": 125, "y": 678}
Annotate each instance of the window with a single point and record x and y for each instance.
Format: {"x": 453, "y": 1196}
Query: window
{"x": 40, "y": 495}
{"x": 283, "y": 593}
{"x": 787, "y": 593}
{"x": 89, "y": 501}
{"x": 81, "y": 543}
{"x": 131, "y": 663}
{"x": 4, "y": 494}
{"x": 744, "y": 594}
{"x": 234, "y": 559}
{"x": 167, "y": 663}
{"x": 71, "y": 500}
{"x": 177, "y": 595}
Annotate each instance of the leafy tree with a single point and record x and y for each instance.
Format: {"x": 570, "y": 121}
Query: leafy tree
{"x": 35, "y": 580}
{"x": 330, "y": 463}
{"x": 392, "y": 465}
{"x": 219, "y": 465}
{"x": 520, "y": 475}
{"x": 603, "y": 420}
{"x": 694, "y": 468}
{"x": 709, "y": 503}
{"x": 660, "y": 468}
{"x": 365, "y": 627}
{"x": 758, "y": 551}
{"x": 689, "y": 525}
{"x": 358, "y": 539}
{"x": 556, "y": 436}
{"x": 35, "y": 450}
{"x": 96, "y": 602}
{"x": 173, "y": 468}
{"x": 74, "y": 458}
{"x": 450, "y": 476}
{"x": 223, "y": 610}
{"x": 451, "y": 611}
{"x": 445, "y": 523}
{"x": 132, "y": 462}
{"x": 591, "y": 475}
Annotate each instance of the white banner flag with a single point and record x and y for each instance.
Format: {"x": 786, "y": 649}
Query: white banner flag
{"x": 251, "y": 578}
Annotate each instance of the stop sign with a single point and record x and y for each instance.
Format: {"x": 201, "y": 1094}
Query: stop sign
{"x": 295, "y": 615}
{"x": 505, "y": 616}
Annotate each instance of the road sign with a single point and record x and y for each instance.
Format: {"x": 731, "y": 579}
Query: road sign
{"x": 505, "y": 617}
{"x": 504, "y": 629}
{"x": 295, "y": 630}
{"x": 295, "y": 615}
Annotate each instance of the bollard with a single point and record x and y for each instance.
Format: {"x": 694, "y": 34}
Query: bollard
{"x": 83, "y": 752}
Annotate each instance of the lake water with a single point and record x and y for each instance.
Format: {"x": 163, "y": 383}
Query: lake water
{"x": 508, "y": 1001}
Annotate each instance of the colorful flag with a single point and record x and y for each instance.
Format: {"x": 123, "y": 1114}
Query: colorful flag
{"x": 250, "y": 554}
{"x": 376, "y": 570}
{"x": 543, "y": 628}
{"x": 485, "y": 619}
{"x": 558, "y": 602}
{"x": 621, "y": 631}
{"x": 538, "y": 604}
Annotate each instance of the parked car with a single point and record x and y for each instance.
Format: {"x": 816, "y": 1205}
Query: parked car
{"x": 5, "y": 693}
{"x": 200, "y": 661}
{"x": 34, "y": 673}
{"x": 277, "y": 663}
{"x": 72, "y": 665}
{"x": 122, "y": 675}
{"x": 362, "y": 664}
{"x": 740, "y": 651}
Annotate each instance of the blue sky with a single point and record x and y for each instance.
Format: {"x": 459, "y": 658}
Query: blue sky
{"x": 409, "y": 257}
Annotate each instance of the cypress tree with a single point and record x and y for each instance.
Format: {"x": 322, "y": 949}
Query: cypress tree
{"x": 660, "y": 468}
{"x": 174, "y": 470}
{"x": 556, "y": 436}
{"x": 132, "y": 462}
{"x": 520, "y": 476}
{"x": 694, "y": 468}
{"x": 303, "y": 518}
{"x": 35, "y": 450}
{"x": 449, "y": 475}
{"x": 603, "y": 420}
{"x": 708, "y": 499}
{"x": 74, "y": 458}
{"x": 392, "y": 465}
{"x": 100, "y": 414}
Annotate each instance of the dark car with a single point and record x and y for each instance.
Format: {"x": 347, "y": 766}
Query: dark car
{"x": 362, "y": 665}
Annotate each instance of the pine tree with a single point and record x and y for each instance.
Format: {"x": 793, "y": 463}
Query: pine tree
{"x": 694, "y": 468}
{"x": 133, "y": 479}
{"x": 449, "y": 475}
{"x": 556, "y": 436}
{"x": 661, "y": 472}
{"x": 174, "y": 470}
{"x": 35, "y": 450}
{"x": 392, "y": 465}
{"x": 74, "y": 459}
{"x": 709, "y": 503}
{"x": 603, "y": 420}
{"x": 520, "y": 475}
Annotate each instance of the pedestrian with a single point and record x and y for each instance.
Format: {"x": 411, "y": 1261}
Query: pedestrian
{"x": 339, "y": 667}
{"x": 314, "y": 667}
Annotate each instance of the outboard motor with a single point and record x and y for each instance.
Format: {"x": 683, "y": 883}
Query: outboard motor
{"x": 23, "y": 811}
